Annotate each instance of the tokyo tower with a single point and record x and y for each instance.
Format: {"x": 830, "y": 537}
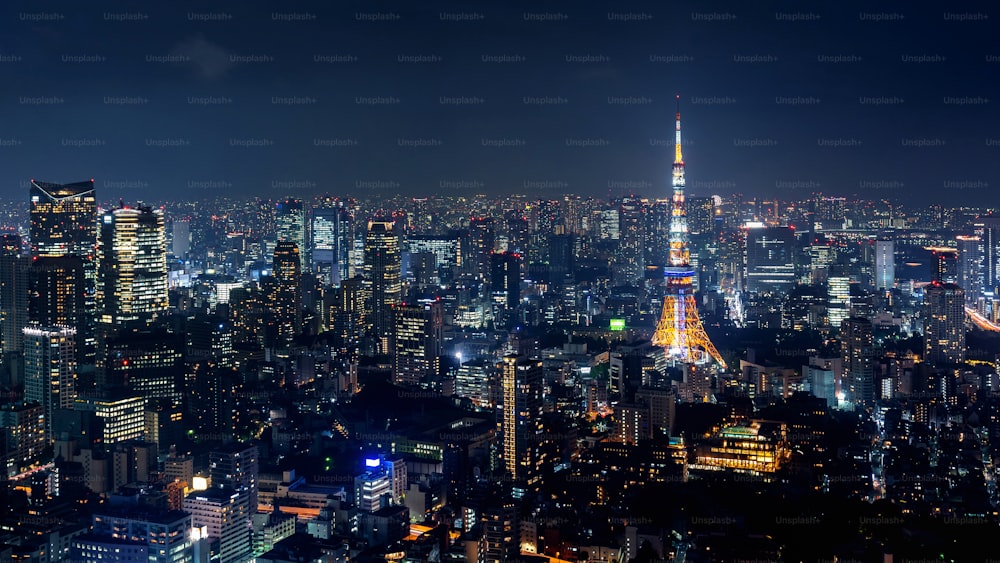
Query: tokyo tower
{"x": 680, "y": 330}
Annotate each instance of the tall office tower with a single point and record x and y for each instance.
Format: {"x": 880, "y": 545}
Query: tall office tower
{"x": 701, "y": 215}
{"x": 970, "y": 273}
{"x": 945, "y": 263}
{"x": 630, "y": 263}
{"x": 831, "y": 211}
{"x": 416, "y": 342}
{"x": 57, "y": 292}
{"x": 988, "y": 230}
{"x": 236, "y": 467}
{"x": 770, "y": 259}
{"x": 563, "y": 250}
{"x": 608, "y": 225}
{"x": 210, "y": 395}
{"x": 517, "y": 230}
{"x": 14, "y": 281}
{"x": 944, "y": 324}
{"x": 679, "y": 330}
{"x": 149, "y": 364}
{"x": 838, "y": 294}
{"x": 287, "y": 299}
{"x": 290, "y": 224}
{"x": 223, "y": 515}
{"x": 885, "y": 264}
{"x": 23, "y": 425}
{"x": 181, "y": 239}
{"x": 383, "y": 273}
{"x": 520, "y": 426}
{"x": 857, "y": 345}
{"x": 657, "y": 230}
{"x": 482, "y": 238}
{"x": 505, "y": 280}
{"x": 132, "y": 278}
{"x": 64, "y": 223}
{"x": 332, "y": 239}
{"x": 50, "y": 369}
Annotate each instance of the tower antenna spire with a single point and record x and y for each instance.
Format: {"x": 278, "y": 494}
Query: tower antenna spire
{"x": 680, "y": 329}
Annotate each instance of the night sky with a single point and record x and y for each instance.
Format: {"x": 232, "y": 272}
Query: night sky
{"x": 154, "y": 100}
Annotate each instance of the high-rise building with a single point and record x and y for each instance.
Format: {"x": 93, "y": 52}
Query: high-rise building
{"x": 885, "y": 264}
{"x": 23, "y": 426}
{"x": 838, "y": 298}
{"x": 333, "y": 240}
{"x": 222, "y": 514}
{"x": 50, "y": 369}
{"x": 770, "y": 259}
{"x": 630, "y": 263}
{"x": 180, "y": 241}
{"x": 132, "y": 278}
{"x": 680, "y": 331}
{"x": 945, "y": 263}
{"x": 988, "y": 231}
{"x": 150, "y": 364}
{"x": 236, "y": 467}
{"x": 944, "y": 324}
{"x": 505, "y": 278}
{"x": 857, "y": 344}
{"x": 290, "y": 224}
{"x": 520, "y": 425}
{"x": 416, "y": 342}
{"x": 970, "y": 273}
{"x": 116, "y": 415}
{"x": 14, "y": 281}
{"x": 64, "y": 223}
{"x": 383, "y": 273}
{"x": 287, "y": 300}
{"x": 482, "y": 238}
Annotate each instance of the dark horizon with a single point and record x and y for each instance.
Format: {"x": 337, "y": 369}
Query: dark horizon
{"x": 262, "y": 100}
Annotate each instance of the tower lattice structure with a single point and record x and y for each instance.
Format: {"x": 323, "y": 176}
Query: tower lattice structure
{"x": 680, "y": 330}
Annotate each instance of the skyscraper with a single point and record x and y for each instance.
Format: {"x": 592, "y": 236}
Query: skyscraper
{"x": 290, "y": 223}
{"x": 236, "y": 467}
{"x": 505, "y": 286}
{"x": 57, "y": 292}
{"x": 383, "y": 273}
{"x": 50, "y": 369}
{"x": 416, "y": 342}
{"x": 680, "y": 330}
{"x": 885, "y": 264}
{"x": 332, "y": 236}
{"x": 630, "y": 263}
{"x": 944, "y": 324}
{"x": 132, "y": 279}
{"x": 970, "y": 273}
{"x": 945, "y": 264}
{"x": 770, "y": 261}
{"x": 482, "y": 240}
{"x": 181, "y": 239}
{"x": 857, "y": 344}
{"x": 988, "y": 230}
{"x": 520, "y": 426}
{"x": 13, "y": 296}
{"x": 287, "y": 299}
{"x": 63, "y": 221}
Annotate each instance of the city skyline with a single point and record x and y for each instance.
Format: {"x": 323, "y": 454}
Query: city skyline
{"x": 353, "y": 98}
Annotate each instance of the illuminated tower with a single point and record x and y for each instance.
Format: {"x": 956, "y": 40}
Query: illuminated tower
{"x": 680, "y": 330}
{"x": 132, "y": 278}
{"x": 64, "y": 223}
{"x": 287, "y": 298}
{"x": 383, "y": 273}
